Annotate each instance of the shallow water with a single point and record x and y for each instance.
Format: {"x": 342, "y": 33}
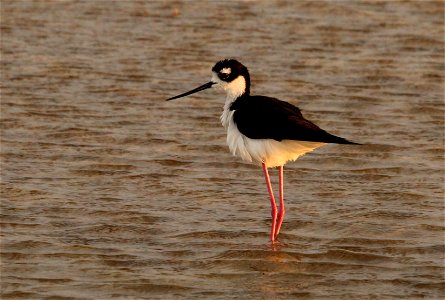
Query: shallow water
{"x": 108, "y": 191}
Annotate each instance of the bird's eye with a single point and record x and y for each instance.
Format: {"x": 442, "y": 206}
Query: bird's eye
{"x": 223, "y": 75}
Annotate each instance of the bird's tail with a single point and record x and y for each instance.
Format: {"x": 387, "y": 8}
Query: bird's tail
{"x": 339, "y": 140}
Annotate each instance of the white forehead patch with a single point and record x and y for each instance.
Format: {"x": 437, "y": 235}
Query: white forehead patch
{"x": 226, "y": 70}
{"x": 215, "y": 77}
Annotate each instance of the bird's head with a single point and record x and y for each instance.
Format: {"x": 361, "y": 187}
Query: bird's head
{"x": 229, "y": 75}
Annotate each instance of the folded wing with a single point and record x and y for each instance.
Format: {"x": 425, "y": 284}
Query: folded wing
{"x": 259, "y": 117}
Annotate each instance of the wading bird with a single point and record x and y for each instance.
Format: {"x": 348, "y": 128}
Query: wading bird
{"x": 263, "y": 130}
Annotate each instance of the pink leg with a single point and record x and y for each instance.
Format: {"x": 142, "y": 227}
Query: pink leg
{"x": 272, "y": 202}
{"x": 282, "y": 211}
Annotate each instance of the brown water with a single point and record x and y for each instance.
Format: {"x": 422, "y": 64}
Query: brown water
{"x": 108, "y": 191}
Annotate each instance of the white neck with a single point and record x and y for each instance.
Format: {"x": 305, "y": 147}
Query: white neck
{"x": 235, "y": 88}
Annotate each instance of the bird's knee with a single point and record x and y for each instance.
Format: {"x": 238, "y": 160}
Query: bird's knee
{"x": 274, "y": 212}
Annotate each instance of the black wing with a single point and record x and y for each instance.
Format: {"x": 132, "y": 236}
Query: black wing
{"x": 259, "y": 117}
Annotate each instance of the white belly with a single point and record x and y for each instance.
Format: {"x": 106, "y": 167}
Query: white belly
{"x": 269, "y": 151}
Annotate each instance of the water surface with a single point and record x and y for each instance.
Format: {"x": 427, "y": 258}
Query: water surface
{"x": 108, "y": 191}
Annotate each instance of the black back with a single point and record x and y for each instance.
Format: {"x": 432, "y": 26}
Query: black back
{"x": 260, "y": 117}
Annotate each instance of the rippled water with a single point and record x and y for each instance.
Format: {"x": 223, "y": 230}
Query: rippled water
{"x": 108, "y": 191}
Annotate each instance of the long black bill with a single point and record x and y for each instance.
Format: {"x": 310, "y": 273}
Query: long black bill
{"x": 198, "y": 89}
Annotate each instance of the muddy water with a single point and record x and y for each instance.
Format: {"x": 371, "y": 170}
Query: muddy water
{"x": 108, "y": 191}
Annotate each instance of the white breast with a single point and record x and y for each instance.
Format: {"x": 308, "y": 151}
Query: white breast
{"x": 269, "y": 151}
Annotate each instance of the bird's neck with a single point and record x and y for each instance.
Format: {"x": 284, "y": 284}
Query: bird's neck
{"x": 236, "y": 89}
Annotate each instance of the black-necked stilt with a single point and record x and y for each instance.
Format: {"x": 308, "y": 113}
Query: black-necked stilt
{"x": 263, "y": 130}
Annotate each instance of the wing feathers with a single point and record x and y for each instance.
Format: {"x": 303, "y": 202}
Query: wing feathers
{"x": 259, "y": 117}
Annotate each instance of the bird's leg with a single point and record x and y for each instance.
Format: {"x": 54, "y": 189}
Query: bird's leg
{"x": 282, "y": 211}
{"x": 272, "y": 202}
